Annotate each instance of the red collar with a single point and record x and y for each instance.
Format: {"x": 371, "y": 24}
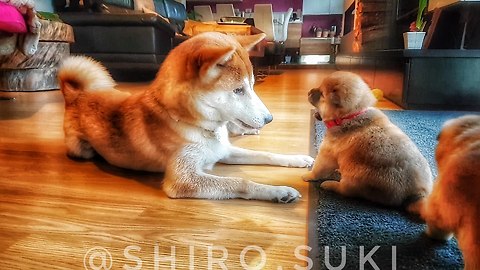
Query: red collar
{"x": 340, "y": 121}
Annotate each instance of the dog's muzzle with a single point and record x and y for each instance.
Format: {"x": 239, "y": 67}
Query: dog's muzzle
{"x": 268, "y": 118}
{"x": 317, "y": 116}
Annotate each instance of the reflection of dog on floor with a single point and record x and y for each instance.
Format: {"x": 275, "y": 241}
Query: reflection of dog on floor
{"x": 376, "y": 160}
{"x": 178, "y": 124}
{"x": 454, "y": 205}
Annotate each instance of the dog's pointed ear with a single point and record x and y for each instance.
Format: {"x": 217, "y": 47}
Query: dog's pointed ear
{"x": 211, "y": 60}
{"x": 248, "y": 42}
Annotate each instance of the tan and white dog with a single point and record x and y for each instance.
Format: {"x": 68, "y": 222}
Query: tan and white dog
{"x": 454, "y": 205}
{"x": 178, "y": 124}
{"x": 376, "y": 160}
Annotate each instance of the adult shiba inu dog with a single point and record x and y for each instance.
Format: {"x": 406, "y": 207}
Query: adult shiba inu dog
{"x": 376, "y": 160}
{"x": 178, "y": 124}
{"x": 454, "y": 205}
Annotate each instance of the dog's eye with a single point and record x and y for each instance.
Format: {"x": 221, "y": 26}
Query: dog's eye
{"x": 239, "y": 91}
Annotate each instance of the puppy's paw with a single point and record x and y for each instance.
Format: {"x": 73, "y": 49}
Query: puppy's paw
{"x": 300, "y": 161}
{"x": 330, "y": 185}
{"x": 283, "y": 194}
{"x": 308, "y": 177}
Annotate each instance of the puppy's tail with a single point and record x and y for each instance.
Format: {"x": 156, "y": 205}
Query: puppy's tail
{"x": 82, "y": 73}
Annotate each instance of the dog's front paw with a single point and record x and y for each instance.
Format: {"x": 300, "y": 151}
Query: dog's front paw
{"x": 285, "y": 194}
{"x": 300, "y": 161}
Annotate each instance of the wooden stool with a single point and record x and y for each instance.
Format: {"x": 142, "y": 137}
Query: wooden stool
{"x": 38, "y": 72}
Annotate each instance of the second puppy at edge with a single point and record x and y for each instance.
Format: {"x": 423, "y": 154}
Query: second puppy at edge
{"x": 376, "y": 160}
{"x": 454, "y": 205}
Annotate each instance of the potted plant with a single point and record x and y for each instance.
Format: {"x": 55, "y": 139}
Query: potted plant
{"x": 414, "y": 38}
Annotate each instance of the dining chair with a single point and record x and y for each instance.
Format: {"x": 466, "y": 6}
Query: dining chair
{"x": 205, "y": 13}
{"x": 225, "y": 10}
{"x": 281, "y": 33}
{"x": 263, "y": 18}
{"x": 275, "y": 48}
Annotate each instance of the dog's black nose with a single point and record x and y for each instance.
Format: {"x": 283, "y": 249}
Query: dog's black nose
{"x": 268, "y": 119}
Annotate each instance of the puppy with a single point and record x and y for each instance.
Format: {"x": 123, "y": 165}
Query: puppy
{"x": 454, "y": 205}
{"x": 178, "y": 125}
{"x": 376, "y": 160}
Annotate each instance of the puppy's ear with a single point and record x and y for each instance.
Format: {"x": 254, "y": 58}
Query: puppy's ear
{"x": 314, "y": 96}
{"x": 210, "y": 61}
{"x": 248, "y": 42}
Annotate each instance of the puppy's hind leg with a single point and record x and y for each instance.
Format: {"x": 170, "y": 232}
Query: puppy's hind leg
{"x": 438, "y": 227}
{"x": 343, "y": 187}
{"x": 323, "y": 168}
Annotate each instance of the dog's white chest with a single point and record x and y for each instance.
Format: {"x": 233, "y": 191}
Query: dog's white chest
{"x": 213, "y": 144}
{"x": 216, "y": 145}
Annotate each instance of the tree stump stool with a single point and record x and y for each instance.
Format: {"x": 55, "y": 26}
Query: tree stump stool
{"x": 38, "y": 72}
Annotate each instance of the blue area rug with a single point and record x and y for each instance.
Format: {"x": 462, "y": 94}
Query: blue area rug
{"x": 394, "y": 239}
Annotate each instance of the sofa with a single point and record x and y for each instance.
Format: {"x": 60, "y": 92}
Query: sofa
{"x": 131, "y": 44}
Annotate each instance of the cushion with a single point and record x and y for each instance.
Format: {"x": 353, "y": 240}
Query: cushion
{"x": 11, "y": 20}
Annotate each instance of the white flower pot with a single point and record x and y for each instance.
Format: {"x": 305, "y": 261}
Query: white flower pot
{"x": 413, "y": 40}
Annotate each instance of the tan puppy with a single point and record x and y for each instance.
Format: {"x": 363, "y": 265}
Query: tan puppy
{"x": 454, "y": 205}
{"x": 178, "y": 124}
{"x": 376, "y": 160}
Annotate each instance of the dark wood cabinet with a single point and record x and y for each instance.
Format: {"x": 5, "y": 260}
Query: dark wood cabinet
{"x": 444, "y": 75}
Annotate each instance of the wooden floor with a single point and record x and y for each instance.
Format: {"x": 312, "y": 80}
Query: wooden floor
{"x": 58, "y": 213}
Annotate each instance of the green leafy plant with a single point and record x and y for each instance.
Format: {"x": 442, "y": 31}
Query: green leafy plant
{"x": 48, "y": 16}
{"x": 419, "y": 24}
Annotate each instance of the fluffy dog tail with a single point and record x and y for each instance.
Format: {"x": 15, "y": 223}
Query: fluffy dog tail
{"x": 82, "y": 73}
